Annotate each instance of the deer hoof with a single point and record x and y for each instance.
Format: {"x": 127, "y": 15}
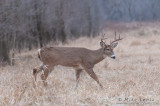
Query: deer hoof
{"x": 34, "y": 71}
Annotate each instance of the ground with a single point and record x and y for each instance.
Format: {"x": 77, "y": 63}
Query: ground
{"x": 133, "y": 78}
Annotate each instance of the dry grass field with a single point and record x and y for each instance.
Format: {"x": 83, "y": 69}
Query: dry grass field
{"x": 132, "y": 79}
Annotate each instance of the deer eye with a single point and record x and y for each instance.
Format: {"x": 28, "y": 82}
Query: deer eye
{"x": 107, "y": 49}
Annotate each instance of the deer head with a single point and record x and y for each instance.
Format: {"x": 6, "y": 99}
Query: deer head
{"x": 108, "y": 48}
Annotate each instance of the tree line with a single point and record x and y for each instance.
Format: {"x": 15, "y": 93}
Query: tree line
{"x": 34, "y": 23}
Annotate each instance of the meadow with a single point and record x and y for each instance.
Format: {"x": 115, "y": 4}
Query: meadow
{"x": 133, "y": 78}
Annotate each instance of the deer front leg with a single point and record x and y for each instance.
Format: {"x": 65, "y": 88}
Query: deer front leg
{"x": 93, "y": 75}
{"x": 78, "y": 71}
{"x": 45, "y": 74}
{"x": 37, "y": 70}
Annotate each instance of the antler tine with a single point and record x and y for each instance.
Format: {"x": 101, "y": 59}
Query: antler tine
{"x": 115, "y": 35}
{"x": 103, "y": 37}
{"x": 116, "y": 39}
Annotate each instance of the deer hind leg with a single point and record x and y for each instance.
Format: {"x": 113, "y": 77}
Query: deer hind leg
{"x": 93, "y": 75}
{"x": 78, "y": 71}
{"x": 47, "y": 70}
{"x": 37, "y": 70}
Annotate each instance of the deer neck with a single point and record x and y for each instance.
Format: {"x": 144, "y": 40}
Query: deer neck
{"x": 98, "y": 56}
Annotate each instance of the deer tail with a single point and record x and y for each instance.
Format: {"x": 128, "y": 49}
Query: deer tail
{"x": 39, "y": 54}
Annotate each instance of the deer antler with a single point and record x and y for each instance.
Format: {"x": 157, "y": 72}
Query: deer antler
{"x": 115, "y": 40}
{"x": 103, "y": 38}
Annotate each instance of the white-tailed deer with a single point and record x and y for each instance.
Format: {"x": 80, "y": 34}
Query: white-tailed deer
{"x": 78, "y": 58}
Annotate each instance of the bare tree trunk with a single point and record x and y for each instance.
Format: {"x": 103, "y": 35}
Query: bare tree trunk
{"x": 89, "y": 18}
{"x": 14, "y": 47}
{"x": 39, "y": 23}
{"x": 61, "y": 33}
{"x": 4, "y": 53}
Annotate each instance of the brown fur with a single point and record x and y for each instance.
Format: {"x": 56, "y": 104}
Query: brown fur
{"x": 78, "y": 58}
{"x": 72, "y": 57}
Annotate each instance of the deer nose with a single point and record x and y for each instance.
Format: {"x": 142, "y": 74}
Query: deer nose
{"x": 113, "y": 56}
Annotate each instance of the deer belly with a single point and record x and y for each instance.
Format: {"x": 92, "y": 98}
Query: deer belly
{"x": 68, "y": 63}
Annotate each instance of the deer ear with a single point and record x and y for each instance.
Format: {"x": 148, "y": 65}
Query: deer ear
{"x": 102, "y": 44}
{"x": 114, "y": 45}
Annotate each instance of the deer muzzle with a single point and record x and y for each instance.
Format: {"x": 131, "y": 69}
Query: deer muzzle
{"x": 113, "y": 56}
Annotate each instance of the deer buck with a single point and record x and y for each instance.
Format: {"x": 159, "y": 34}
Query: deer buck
{"x": 78, "y": 58}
